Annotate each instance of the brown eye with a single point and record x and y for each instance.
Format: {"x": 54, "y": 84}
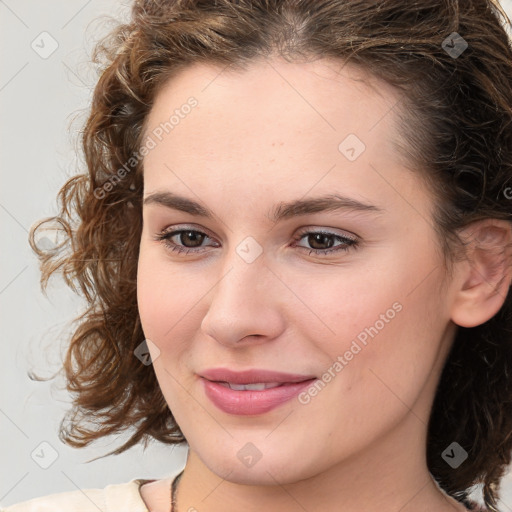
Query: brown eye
{"x": 183, "y": 240}
{"x": 194, "y": 238}
{"x": 321, "y": 242}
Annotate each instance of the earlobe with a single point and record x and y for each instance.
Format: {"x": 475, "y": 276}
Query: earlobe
{"x": 485, "y": 274}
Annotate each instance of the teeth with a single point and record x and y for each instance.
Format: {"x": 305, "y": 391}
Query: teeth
{"x": 259, "y": 386}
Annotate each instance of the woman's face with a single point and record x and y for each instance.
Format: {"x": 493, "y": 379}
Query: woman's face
{"x": 369, "y": 317}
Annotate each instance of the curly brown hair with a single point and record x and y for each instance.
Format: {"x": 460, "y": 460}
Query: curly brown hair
{"x": 456, "y": 117}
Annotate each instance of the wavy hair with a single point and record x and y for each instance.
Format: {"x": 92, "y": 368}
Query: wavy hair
{"x": 456, "y": 120}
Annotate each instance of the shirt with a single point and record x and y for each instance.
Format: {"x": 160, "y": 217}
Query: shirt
{"x": 123, "y": 497}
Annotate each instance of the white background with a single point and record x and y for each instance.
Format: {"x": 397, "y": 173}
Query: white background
{"x": 42, "y": 106}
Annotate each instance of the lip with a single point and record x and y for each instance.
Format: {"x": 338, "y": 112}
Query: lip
{"x": 251, "y": 402}
{"x": 252, "y": 376}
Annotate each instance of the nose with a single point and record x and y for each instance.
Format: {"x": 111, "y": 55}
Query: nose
{"x": 246, "y": 305}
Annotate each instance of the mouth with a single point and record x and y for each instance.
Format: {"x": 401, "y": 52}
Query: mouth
{"x": 260, "y": 377}
{"x": 252, "y": 398}
{"x": 257, "y": 386}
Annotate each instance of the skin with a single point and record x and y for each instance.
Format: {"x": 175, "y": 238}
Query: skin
{"x": 257, "y": 138}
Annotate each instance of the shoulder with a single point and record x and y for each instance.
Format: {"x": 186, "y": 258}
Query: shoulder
{"x": 123, "y": 497}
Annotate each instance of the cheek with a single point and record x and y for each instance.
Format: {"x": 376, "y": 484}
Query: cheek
{"x": 347, "y": 305}
{"x": 158, "y": 295}
{"x": 171, "y": 307}
{"x": 164, "y": 303}
{"x": 151, "y": 300}
{"x": 385, "y": 324}
{"x": 164, "y": 293}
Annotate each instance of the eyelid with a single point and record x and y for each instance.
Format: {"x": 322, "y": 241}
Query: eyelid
{"x": 185, "y": 227}
{"x": 329, "y": 231}
{"x": 303, "y": 230}
{"x": 348, "y": 241}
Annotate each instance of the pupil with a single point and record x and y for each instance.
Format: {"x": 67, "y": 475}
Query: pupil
{"x": 192, "y": 235}
{"x": 318, "y": 237}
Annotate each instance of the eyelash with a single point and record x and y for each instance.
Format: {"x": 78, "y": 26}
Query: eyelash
{"x": 350, "y": 243}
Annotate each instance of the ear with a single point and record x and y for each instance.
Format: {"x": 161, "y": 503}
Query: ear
{"x": 484, "y": 277}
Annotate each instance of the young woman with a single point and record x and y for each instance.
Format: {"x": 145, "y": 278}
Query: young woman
{"x": 295, "y": 237}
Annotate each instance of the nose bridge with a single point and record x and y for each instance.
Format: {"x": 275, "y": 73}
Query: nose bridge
{"x": 243, "y": 302}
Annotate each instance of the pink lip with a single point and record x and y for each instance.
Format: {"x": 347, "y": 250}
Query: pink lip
{"x": 251, "y": 402}
{"x": 251, "y": 376}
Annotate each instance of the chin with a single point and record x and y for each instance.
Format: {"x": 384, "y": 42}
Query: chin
{"x": 262, "y": 469}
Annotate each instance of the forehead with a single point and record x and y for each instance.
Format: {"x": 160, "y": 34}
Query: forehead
{"x": 327, "y": 94}
{"x": 269, "y": 124}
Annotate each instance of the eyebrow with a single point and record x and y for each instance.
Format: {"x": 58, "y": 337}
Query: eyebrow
{"x": 332, "y": 202}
